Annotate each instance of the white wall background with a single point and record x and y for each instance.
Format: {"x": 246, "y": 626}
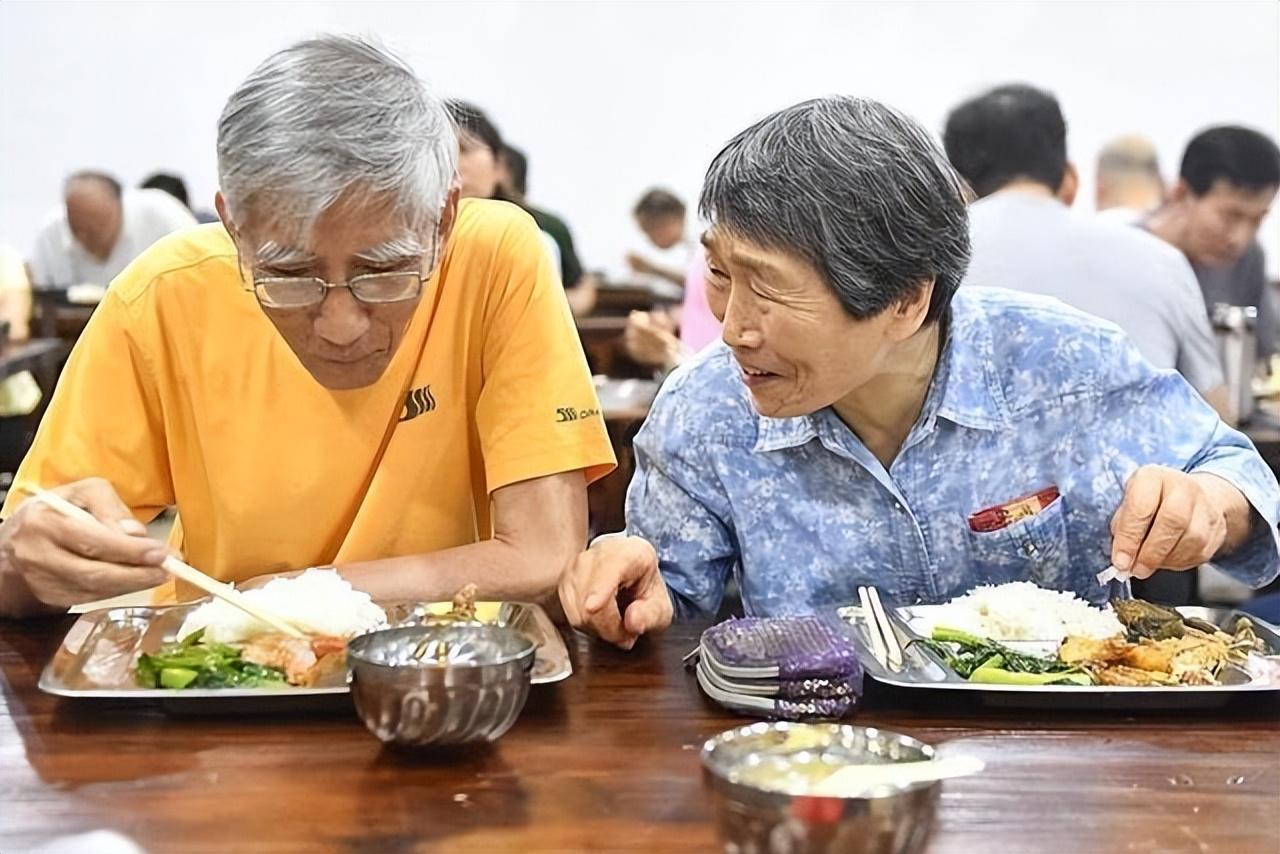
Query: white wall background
{"x": 609, "y": 98}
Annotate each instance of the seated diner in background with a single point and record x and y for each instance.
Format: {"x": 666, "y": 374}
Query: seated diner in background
{"x": 100, "y": 229}
{"x": 866, "y": 424}
{"x": 353, "y": 369}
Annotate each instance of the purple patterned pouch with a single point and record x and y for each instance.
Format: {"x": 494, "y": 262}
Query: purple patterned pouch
{"x": 795, "y": 668}
{"x": 796, "y": 648}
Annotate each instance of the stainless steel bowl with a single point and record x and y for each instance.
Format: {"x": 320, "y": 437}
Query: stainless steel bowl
{"x": 469, "y": 686}
{"x": 755, "y": 774}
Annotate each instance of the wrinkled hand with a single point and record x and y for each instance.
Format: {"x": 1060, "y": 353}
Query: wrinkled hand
{"x": 1169, "y": 520}
{"x": 614, "y": 590}
{"x": 65, "y": 562}
{"x": 649, "y": 339}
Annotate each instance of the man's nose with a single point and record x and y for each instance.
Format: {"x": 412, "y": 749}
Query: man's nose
{"x": 342, "y": 320}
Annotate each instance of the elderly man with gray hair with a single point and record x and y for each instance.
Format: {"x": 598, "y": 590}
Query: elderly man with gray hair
{"x": 867, "y": 423}
{"x": 353, "y": 368}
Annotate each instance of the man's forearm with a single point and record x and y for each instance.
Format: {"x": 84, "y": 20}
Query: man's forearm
{"x": 501, "y": 571}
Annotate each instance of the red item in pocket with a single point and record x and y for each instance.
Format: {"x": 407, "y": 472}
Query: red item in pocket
{"x": 1004, "y": 515}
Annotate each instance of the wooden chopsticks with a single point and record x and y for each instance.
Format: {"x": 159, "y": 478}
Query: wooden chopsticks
{"x": 178, "y": 569}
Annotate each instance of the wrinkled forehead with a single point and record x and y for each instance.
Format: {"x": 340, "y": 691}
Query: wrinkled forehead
{"x": 730, "y": 247}
{"x": 372, "y": 228}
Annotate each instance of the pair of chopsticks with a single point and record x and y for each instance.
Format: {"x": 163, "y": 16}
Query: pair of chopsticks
{"x": 178, "y": 569}
{"x": 884, "y": 640}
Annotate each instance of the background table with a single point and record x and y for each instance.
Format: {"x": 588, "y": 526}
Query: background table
{"x": 607, "y": 760}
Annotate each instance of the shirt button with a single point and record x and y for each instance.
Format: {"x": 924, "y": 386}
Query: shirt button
{"x": 1029, "y": 549}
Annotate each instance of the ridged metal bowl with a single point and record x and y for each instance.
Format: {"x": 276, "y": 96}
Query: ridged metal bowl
{"x": 439, "y": 685}
{"x": 763, "y": 806}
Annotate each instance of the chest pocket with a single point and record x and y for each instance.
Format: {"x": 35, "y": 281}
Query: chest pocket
{"x": 1031, "y": 549}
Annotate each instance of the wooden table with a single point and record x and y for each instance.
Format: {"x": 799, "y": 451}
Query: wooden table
{"x": 607, "y": 760}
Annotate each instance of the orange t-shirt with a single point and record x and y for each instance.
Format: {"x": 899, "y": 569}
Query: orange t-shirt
{"x": 181, "y": 392}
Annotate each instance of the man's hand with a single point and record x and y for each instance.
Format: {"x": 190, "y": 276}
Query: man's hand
{"x": 1173, "y": 520}
{"x": 60, "y": 562}
{"x": 614, "y": 590}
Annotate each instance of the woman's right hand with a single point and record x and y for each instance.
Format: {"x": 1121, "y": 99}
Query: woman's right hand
{"x": 615, "y": 591}
{"x": 58, "y": 561}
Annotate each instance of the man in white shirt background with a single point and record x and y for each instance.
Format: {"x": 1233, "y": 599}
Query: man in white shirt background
{"x": 100, "y": 229}
{"x": 1010, "y": 145}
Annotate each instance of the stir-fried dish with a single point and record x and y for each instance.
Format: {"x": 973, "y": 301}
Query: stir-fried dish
{"x": 1157, "y": 646}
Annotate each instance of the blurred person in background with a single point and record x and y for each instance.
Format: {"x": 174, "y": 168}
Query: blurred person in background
{"x": 1128, "y": 183}
{"x": 663, "y": 340}
{"x": 15, "y": 294}
{"x": 1010, "y": 145}
{"x": 513, "y": 185}
{"x": 176, "y": 187}
{"x": 100, "y": 229}
{"x": 1226, "y": 184}
{"x": 661, "y": 217}
{"x": 484, "y": 174}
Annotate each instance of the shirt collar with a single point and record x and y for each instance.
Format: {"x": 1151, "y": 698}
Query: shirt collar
{"x": 966, "y": 384}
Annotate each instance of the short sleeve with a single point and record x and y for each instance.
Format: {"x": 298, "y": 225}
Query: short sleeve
{"x": 538, "y": 413}
{"x": 104, "y": 420}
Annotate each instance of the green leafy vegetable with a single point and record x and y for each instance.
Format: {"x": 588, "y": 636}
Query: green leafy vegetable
{"x": 982, "y": 660}
{"x": 190, "y": 663}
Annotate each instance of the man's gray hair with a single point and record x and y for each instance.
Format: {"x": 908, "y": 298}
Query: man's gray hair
{"x": 855, "y": 188}
{"x": 323, "y": 117}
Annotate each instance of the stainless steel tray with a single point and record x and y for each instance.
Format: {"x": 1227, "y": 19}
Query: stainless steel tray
{"x": 921, "y": 669}
{"x": 97, "y": 657}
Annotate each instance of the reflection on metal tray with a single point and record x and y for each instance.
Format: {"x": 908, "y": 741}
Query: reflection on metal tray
{"x": 97, "y": 658}
{"x": 921, "y": 669}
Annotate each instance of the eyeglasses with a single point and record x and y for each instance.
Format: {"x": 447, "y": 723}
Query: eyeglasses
{"x": 371, "y": 288}
{"x": 289, "y": 292}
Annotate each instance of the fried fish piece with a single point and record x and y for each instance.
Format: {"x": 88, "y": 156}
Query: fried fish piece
{"x": 1129, "y": 677}
{"x": 1078, "y": 649}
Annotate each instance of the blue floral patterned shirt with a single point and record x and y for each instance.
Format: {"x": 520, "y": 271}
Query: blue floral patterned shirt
{"x": 1027, "y": 394}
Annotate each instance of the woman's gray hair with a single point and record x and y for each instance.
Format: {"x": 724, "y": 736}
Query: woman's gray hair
{"x": 855, "y": 188}
{"x": 325, "y": 116}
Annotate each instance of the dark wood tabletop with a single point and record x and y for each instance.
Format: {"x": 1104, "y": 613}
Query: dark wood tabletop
{"x": 605, "y": 761}
{"x": 18, "y": 356}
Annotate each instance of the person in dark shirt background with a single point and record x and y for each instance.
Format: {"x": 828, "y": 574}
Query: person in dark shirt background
{"x": 1226, "y": 184}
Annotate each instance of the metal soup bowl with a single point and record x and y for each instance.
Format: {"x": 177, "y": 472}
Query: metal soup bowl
{"x": 760, "y": 775}
{"x": 439, "y": 685}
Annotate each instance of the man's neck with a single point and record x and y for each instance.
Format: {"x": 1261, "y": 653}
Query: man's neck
{"x": 882, "y": 412}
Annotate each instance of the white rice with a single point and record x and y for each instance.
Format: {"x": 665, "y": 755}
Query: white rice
{"x": 1021, "y": 610}
{"x": 318, "y": 601}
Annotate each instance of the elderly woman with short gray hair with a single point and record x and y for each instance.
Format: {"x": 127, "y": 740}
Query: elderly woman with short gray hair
{"x": 865, "y": 423}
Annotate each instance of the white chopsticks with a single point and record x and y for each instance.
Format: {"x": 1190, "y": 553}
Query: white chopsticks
{"x": 178, "y": 569}
{"x": 884, "y": 640}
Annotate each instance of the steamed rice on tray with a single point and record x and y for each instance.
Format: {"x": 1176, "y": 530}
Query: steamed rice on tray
{"x": 1022, "y": 611}
{"x": 220, "y": 646}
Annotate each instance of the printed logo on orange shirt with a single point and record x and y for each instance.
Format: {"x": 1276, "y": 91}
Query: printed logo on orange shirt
{"x": 570, "y": 413}
{"x": 417, "y": 402}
